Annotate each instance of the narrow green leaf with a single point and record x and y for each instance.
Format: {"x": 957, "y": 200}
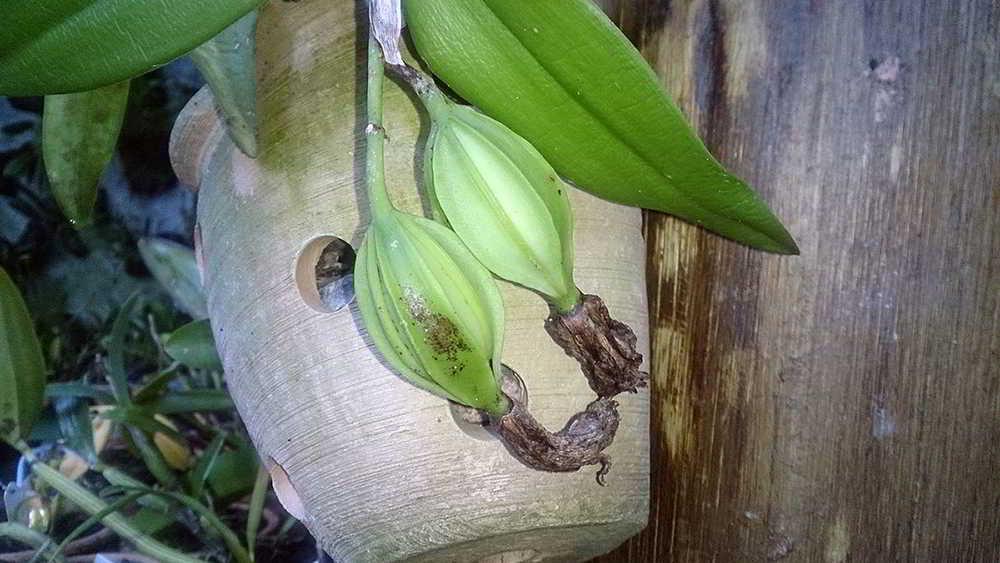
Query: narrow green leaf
{"x": 74, "y": 422}
{"x": 93, "y": 519}
{"x": 228, "y": 536}
{"x": 194, "y": 346}
{"x": 117, "y": 376}
{"x": 152, "y": 388}
{"x": 79, "y": 135}
{"x": 119, "y": 478}
{"x": 95, "y": 392}
{"x": 197, "y": 400}
{"x": 561, "y": 75}
{"x": 229, "y": 66}
{"x": 207, "y": 459}
{"x": 174, "y": 266}
{"x": 22, "y": 369}
{"x": 74, "y": 45}
{"x": 257, "y": 499}
{"x": 138, "y": 417}
{"x": 92, "y": 505}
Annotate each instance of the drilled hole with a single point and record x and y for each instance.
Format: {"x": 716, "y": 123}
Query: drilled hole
{"x": 473, "y": 422}
{"x": 470, "y": 421}
{"x": 283, "y": 489}
{"x": 324, "y": 273}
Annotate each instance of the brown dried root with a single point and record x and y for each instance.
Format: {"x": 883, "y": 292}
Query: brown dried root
{"x": 581, "y": 442}
{"x": 604, "y": 347}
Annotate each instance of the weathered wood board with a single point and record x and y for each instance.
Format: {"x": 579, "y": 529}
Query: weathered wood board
{"x": 843, "y": 405}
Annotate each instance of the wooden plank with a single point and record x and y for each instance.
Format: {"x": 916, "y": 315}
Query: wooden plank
{"x": 843, "y": 405}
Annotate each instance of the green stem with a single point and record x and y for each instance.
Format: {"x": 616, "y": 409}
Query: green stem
{"x": 566, "y": 302}
{"x": 378, "y": 194}
{"x": 93, "y": 505}
{"x": 435, "y": 102}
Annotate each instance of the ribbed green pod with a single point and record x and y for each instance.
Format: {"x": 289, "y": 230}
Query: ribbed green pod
{"x": 504, "y": 201}
{"x": 561, "y": 75}
{"x": 433, "y": 312}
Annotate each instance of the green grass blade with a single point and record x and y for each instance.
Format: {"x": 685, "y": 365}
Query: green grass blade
{"x": 54, "y": 390}
{"x": 92, "y": 505}
{"x": 205, "y": 462}
{"x": 117, "y": 376}
{"x": 228, "y": 536}
{"x": 257, "y": 499}
{"x": 93, "y": 519}
{"x": 198, "y": 400}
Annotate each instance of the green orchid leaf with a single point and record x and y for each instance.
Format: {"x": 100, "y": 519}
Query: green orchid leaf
{"x": 79, "y": 135}
{"x": 228, "y": 64}
{"x": 562, "y": 76}
{"x": 22, "y": 369}
{"x": 74, "y": 45}
{"x": 194, "y": 346}
{"x": 175, "y": 267}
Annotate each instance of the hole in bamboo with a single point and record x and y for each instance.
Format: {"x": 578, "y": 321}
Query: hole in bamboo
{"x": 284, "y": 490}
{"x": 324, "y": 273}
{"x": 470, "y": 421}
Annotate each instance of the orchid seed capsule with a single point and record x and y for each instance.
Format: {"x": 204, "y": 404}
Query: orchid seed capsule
{"x": 504, "y": 201}
{"x": 433, "y": 311}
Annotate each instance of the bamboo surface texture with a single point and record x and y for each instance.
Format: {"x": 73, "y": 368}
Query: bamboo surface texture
{"x": 377, "y": 469}
{"x": 843, "y": 405}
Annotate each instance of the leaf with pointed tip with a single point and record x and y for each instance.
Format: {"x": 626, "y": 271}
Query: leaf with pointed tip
{"x": 194, "y": 346}
{"x": 22, "y": 369}
{"x": 561, "y": 75}
{"x": 174, "y": 266}
{"x": 228, "y": 64}
{"x": 60, "y": 46}
{"x": 79, "y": 135}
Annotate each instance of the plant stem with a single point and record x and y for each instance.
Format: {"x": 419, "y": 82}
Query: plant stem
{"x": 566, "y": 302}
{"x": 433, "y": 99}
{"x": 93, "y": 505}
{"x": 378, "y": 194}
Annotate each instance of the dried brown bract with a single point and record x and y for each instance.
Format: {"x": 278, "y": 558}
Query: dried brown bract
{"x": 605, "y": 348}
{"x": 581, "y": 442}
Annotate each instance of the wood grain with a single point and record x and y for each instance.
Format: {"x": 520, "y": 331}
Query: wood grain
{"x": 843, "y": 405}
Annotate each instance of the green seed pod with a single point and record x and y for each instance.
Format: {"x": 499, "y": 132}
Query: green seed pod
{"x": 432, "y": 310}
{"x": 504, "y": 201}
